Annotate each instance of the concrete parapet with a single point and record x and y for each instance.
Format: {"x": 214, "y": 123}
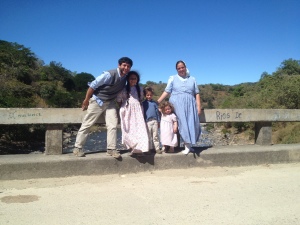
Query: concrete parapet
{"x": 53, "y": 117}
{"x": 75, "y": 115}
{"x": 41, "y": 166}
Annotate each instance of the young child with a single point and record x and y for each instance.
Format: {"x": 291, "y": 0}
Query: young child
{"x": 168, "y": 126}
{"x": 133, "y": 126}
{"x": 152, "y": 118}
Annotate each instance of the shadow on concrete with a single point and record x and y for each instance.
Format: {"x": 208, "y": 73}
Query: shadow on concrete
{"x": 104, "y": 152}
{"x": 149, "y": 156}
{"x": 143, "y": 158}
{"x": 124, "y": 151}
{"x": 198, "y": 150}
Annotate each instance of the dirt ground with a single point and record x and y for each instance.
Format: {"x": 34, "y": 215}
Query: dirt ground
{"x": 263, "y": 195}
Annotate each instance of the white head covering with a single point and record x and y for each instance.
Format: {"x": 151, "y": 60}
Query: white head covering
{"x": 187, "y": 72}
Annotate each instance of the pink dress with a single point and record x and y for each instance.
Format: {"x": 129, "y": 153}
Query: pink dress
{"x": 167, "y": 135}
{"x": 134, "y": 131}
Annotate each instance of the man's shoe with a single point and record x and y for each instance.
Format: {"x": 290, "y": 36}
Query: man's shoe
{"x": 78, "y": 152}
{"x": 158, "y": 151}
{"x": 109, "y": 152}
{"x": 114, "y": 153}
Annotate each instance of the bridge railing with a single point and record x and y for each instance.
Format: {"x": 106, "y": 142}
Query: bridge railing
{"x": 55, "y": 118}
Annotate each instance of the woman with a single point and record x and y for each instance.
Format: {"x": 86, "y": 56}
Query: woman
{"x": 185, "y": 98}
{"x": 133, "y": 126}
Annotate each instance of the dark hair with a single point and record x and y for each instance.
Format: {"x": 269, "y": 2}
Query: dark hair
{"x": 125, "y": 60}
{"x": 163, "y": 105}
{"x": 148, "y": 89}
{"x": 180, "y": 61}
{"x": 137, "y": 83}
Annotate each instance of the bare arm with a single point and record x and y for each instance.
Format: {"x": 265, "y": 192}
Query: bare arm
{"x": 88, "y": 95}
{"x": 175, "y": 127}
{"x": 162, "y": 97}
{"x": 198, "y": 103}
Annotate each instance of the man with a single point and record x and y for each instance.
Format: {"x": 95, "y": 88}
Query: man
{"x": 100, "y": 98}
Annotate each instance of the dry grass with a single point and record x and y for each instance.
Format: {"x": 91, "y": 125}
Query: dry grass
{"x": 287, "y": 134}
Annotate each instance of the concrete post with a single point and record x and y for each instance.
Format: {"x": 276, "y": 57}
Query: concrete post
{"x": 54, "y": 139}
{"x": 263, "y": 133}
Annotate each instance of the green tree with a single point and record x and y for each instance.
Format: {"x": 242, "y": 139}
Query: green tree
{"x": 62, "y": 99}
{"x": 289, "y": 93}
{"x": 81, "y": 81}
{"x": 56, "y": 72}
{"x": 264, "y": 74}
{"x": 238, "y": 91}
{"x": 289, "y": 67}
{"x": 150, "y": 83}
{"x": 17, "y": 62}
{"x": 14, "y": 93}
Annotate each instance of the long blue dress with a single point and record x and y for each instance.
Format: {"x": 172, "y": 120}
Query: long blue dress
{"x": 182, "y": 97}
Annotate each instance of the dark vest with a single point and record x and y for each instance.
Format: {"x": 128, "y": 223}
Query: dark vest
{"x": 110, "y": 91}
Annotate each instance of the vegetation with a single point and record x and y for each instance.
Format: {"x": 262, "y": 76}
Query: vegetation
{"x": 25, "y": 81}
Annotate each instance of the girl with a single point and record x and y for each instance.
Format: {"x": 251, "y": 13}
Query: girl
{"x": 134, "y": 131}
{"x": 168, "y": 126}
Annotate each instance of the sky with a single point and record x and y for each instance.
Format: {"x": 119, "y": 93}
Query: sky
{"x": 222, "y": 42}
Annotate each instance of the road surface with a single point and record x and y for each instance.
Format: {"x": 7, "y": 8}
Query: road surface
{"x": 262, "y": 195}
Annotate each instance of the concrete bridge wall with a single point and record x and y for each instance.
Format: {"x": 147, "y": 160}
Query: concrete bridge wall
{"x": 55, "y": 118}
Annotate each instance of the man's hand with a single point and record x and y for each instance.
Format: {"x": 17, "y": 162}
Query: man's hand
{"x": 85, "y": 104}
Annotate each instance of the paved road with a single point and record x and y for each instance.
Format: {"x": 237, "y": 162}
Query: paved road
{"x": 268, "y": 194}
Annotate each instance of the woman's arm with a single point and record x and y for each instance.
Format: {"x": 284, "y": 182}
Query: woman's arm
{"x": 175, "y": 127}
{"x": 162, "y": 97}
{"x": 198, "y": 102}
{"x": 168, "y": 90}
